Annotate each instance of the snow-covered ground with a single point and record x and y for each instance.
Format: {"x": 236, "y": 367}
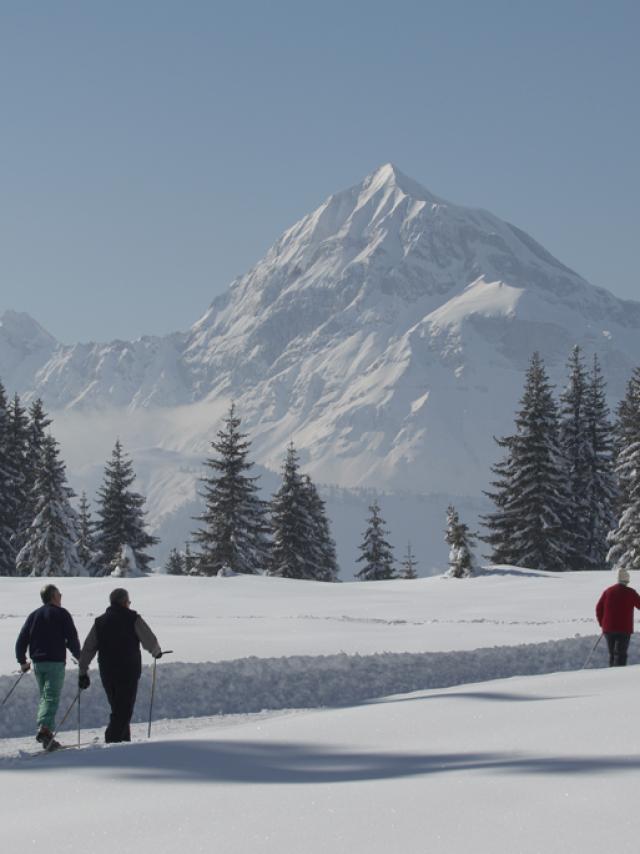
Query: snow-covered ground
{"x": 536, "y": 763}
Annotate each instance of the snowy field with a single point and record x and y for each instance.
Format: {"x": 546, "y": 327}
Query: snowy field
{"x": 324, "y": 751}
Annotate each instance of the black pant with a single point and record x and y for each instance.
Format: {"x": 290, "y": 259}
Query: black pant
{"x": 121, "y": 690}
{"x": 618, "y": 644}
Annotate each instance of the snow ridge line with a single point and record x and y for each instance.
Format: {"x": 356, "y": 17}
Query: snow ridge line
{"x": 254, "y": 684}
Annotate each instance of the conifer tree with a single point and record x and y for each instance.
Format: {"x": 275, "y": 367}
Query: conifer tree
{"x": 624, "y": 540}
{"x": 120, "y": 516}
{"x": 8, "y": 477}
{"x": 602, "y": 488}
{"x": 461, "y": 542}
{"x": 17, "y": 447}
{"x": 190, "y": 561}
{"x": 85, "y": 543}
{"x": 37, "y": 423}
{"x": 376, "y": 553}
{"x": 235, "y": 526}
{"x": 50, "y": 542}
{"x": 408, "y": 566}
{"x": 576, "y": 450}
{"x": 175, "y": 563}
{"x": 321, "y": 547}
{"x": 528, "y": 527}
{"x": 291, "y": 524}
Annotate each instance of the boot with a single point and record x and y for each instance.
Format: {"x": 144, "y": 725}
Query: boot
{"x": 45, "y": 737}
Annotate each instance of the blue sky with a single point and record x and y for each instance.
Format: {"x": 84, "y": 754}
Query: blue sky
{"x": 151, "y": 151}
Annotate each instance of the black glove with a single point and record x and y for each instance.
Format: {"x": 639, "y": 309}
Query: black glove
{"x": 158, "y": 654}
{"x": 25, "y": 666}
{"x": 84, "y": 681}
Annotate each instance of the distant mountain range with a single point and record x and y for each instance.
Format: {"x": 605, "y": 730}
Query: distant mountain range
{"x": 386, "y": 333}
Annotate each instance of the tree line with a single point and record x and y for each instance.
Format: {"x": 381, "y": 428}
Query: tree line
{"x": 566, "y": 496}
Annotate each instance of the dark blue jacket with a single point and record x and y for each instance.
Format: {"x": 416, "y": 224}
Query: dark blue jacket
{"x": 48, "y": 632}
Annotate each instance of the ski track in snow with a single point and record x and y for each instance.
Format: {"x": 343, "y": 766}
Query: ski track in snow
{"x": 254, "y": 685}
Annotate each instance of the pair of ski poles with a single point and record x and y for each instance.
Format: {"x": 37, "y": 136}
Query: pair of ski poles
{"x": 76, "y": 699}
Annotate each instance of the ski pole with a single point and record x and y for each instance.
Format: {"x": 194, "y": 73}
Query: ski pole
{"x": 79, "y": 694}
{"x": 76, "y": 699}
{"x": 593, "y": 649}
{"x": 13, "y": 687}
{"x": 153, "y": 689}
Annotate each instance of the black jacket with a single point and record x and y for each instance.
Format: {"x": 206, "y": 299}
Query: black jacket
{"x": 48, "y": 632}
{"x": 118, "y": 642}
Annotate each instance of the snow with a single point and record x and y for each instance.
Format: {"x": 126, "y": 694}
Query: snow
{"x": 527, "y": 764}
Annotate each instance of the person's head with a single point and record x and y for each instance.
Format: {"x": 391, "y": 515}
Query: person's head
{"x": 623, "y": 576}
{"x": 50, "y": 595}
{"x": 120, "y": 596}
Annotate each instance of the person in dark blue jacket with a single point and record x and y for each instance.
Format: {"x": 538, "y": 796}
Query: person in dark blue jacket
{"x": 47, "y": 634}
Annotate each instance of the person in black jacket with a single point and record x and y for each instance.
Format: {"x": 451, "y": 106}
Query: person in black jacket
{"x": 48, "y": 633}
{"x": 116, "y": 637}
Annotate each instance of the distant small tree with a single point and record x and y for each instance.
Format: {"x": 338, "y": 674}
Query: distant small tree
{"x": 175, "y": 563}
{"x": 190, "y": 561}
{"x": 85, "y": 544}
{"x": 376, "y": 553}
{"x": 624, "y": 540}
{"x": 460, "y": 541}
{"x": 408, "y": 565}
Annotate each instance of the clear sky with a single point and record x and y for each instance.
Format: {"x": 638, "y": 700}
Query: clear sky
{"x": 150, "y": 151}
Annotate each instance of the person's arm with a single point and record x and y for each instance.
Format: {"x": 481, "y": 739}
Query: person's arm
{"x": 146, "y": 637}
{"x": 23, "y": 641}
{"x": 600, "y": 610}
{"x": 71, "y": 636}
{"x": 89, "y": 650}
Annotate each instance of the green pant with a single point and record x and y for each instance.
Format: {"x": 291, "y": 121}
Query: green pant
{"x": 50, "y": 678}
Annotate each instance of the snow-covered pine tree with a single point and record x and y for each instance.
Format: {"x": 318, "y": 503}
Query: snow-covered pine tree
{"x": 624, "y": 540}
{"x": 293, "y": 553}
{"x": 576, "y": 450}
{"x": 86, "y": 544}
{"x": 602, "y": 487}
{"x": 50, "y": 542}
{"x": 376, "y": 553}
{"x": 529, "y": 527}
{"x": 408, "y": 565}
{"x": 8, "y": 477}
{"x": 461, "y": 542}
{"x": 120, "y": 516}
{"x": 190, "y": 561}
{"x": 322, "y": 558}
{"x": 37, "y": 423}
{"x": 17, "y": 447}
{"x": 235, "y": 525}
{"x": 175, "y": 563}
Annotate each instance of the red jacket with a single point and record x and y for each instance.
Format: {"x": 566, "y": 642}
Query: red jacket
{"x": 615, "y": 609}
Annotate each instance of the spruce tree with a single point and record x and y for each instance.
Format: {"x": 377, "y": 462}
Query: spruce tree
{"x": 190, "y": 561}
{"x": 529, "y": 526}
{"x": 321, "y": 547}
{"x": 461, "y": 542}
{"x": 85, "y": 543}
{"x": 292, "y": 554}
{"x": 175, "y": 563}
{"x": 576, "y": 450}
{"x": 602, "y": 488}
{"x": 408, "y": 566}
{"x": 37, "y": 423}
{"x": 624, "y": 540}
{"x": 17, "y": 448}
{"x": 376, "y": 553}
{"x": 235, "y": 526}
{"x": 50, "y": 541}
{"x": 8, "y": 477}
{"x": 120, "y": 516}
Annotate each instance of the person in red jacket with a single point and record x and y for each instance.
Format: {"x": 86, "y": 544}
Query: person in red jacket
{"x": 614, "y": 612}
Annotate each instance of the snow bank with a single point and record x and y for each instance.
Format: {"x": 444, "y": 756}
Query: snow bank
{"x": 254, "y": 684}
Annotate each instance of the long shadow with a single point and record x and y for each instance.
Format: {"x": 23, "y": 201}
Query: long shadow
{"x": 258, "y": 763}
{"x": 469, "y": 695}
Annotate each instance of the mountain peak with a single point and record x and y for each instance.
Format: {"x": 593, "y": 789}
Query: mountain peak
{"x": 20, "y": 326}
{"x": 389, "y": 176}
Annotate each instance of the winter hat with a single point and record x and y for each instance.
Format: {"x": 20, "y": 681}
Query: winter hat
{"x": 623, "y": 576}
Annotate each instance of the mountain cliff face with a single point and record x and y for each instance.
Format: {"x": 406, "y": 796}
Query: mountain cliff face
{"x": 386, "y": 333}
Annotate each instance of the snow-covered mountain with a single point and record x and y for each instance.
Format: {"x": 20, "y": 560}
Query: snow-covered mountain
{"x": 386, "y": 333}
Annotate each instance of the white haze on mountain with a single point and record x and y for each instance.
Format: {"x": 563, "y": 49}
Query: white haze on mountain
{"x": 387, "y": 334}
